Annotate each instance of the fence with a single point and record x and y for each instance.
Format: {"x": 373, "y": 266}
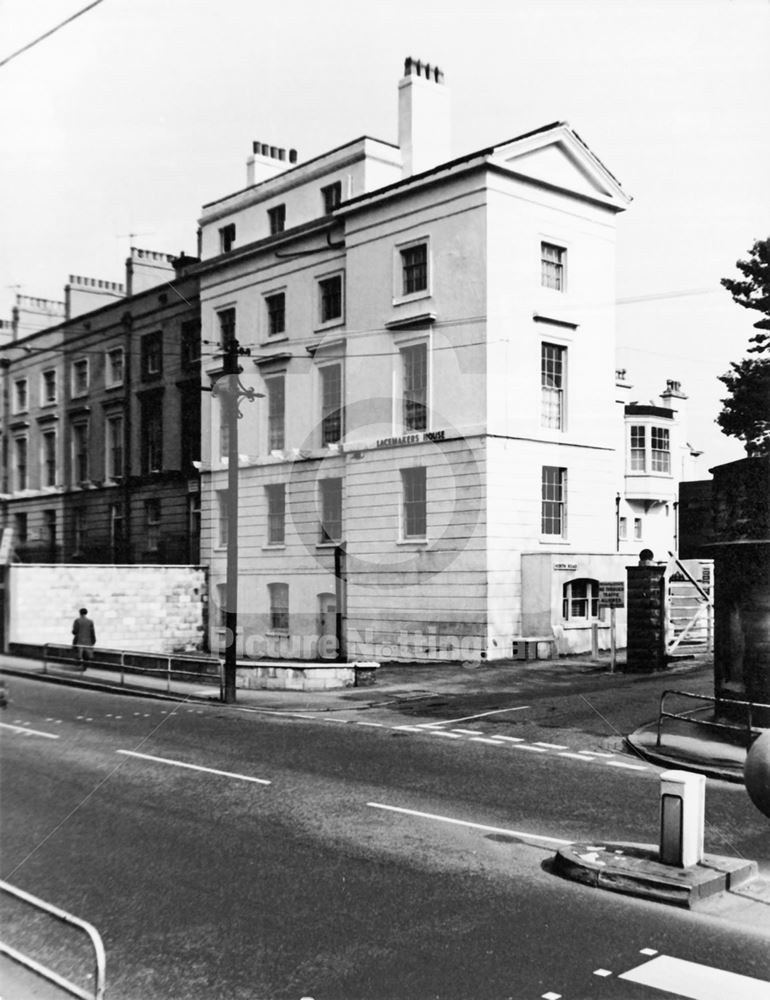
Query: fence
{"x": 749, "y": 730}
{"x": 100, "y": 958}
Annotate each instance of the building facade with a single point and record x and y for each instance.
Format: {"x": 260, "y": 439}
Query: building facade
{"x": 436, "y": 464}
{"x": 101, "y": 423}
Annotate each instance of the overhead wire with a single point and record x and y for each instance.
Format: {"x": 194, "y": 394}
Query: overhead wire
{"x": 47, "y": 34}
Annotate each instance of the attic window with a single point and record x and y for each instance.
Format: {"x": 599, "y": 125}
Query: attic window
{"x": 553, "y": 260}
{"x": 227, "y": 238}
{"x": 332, "y": 196}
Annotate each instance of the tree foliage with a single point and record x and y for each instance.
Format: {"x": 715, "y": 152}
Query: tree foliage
{"x": 746, "y": 410}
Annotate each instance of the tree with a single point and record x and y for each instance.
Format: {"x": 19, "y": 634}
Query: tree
{"x": 746, "y": 410}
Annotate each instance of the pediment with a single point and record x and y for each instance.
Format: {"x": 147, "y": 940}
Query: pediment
{"x": 558, "y": 157}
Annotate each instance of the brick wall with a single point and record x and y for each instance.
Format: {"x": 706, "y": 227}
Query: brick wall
{"x": 149, "y": 608}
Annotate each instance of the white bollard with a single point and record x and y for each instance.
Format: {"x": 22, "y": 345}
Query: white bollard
{"x": 682, "y": 813}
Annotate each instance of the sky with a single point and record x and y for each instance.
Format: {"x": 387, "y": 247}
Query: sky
{"x": 132, "y": 116}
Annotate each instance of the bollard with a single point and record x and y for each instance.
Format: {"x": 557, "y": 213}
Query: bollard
{"x": 682, "y": 811}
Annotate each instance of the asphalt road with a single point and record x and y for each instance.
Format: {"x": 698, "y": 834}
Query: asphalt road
{"x": 314, "y": 857}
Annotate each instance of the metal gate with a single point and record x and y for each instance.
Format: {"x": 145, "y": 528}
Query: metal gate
{"x": 689, "y": 606}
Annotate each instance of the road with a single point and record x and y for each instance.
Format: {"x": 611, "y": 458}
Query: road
{"x": 366, "y": 858}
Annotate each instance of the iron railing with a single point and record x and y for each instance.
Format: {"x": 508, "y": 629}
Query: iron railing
{"x": 44, "y": 971}
{"x": 168, "y": 666}
{"x": 748, "y": 729}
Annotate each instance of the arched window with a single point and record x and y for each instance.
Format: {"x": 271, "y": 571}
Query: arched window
{"x": 580, "y": 600}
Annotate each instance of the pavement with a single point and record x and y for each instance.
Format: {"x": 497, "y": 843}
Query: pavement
{"x": 723, "y": 886}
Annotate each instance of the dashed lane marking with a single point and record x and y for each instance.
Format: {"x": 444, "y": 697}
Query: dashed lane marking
{"x": 550, "y": 746}
{"x": 441, "y": 732}
{"x": 576, "y": 756}
{"x": 467, "y": 823}
{"x": 194, "y": 767}
{"x": 629, "y": 767}
{"x": 527, "y": 746}
{"x": 28, "y": 732}
{"x": 602, "y": 972}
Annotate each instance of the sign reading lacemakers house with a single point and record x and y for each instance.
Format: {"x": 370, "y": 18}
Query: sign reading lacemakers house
{"x": 612, "y": 594}
{"x": 394, "y": 442}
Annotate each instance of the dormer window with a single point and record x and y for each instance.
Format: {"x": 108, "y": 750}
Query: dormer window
{"x": 332, "y": 196}
{"x": 277, "y": 219}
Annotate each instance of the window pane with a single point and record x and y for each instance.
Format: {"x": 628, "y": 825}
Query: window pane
{"x": 553, "y": 490}
{"x": 276, "y": 313}
{"x": 331, "y": 404}
{"x": 414, "y": 264}
{"x": 552, "y": 385}
{"x": 276, "y": 408}
{"x": 276, "y": 514}
{"x": 331, "y": 510}
{"x": 331, "y": 298}
{"x": 638, "y": 449}
{"x": 661, "y": 455}
{"x": 415, "y": 363}
{"x": 552, "y": 266}
{"x": 415, "y": 513}
{"x": 279, "y": 606}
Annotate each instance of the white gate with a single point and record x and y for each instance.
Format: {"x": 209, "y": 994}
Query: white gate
{"x": 689, "y": 605}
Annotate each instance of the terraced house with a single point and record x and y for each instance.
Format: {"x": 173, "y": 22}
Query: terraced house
{"x": 435, "y": 462}
{"x": 101, "y": 420}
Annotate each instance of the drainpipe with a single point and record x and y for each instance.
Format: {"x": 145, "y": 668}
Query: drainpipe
{"x": 127, "y": 436}
{"x": 617, "y": 522}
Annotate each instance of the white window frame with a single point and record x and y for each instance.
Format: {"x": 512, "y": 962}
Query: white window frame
{"x": 275, "y": 514}
{"x": 44, "y": 400}
{"x": 275, "y": 422}
{"x": 591, "y": 599}
{"x": 110, "y": 379}
{"x": 109, "y": 446}
{"x": 85, "y": 364}
{"x": 227, "y": 237}
{"x": 404, "y": 348}
{"x": 20, "y": 443}
{"x": 399, "y": 293}
{"x": 551, "y": 393}
{"x": 274, "y": 591}
{"x": 560, "y": 264}
{"x": 46, "y": 435}
{"x": 21, "y": 395}
{"x": 660, "y": 458}
{"x": 407, "y": 474}
{"x": 331, "y": 197}
{"x": 269, "y": 334}
{"x": 545, "y": 516}
{"x": 321, "y": 323}
{"x": 323, "y": 415}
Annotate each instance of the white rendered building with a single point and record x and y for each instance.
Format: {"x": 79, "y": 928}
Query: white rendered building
{"x": 433, "y": 469}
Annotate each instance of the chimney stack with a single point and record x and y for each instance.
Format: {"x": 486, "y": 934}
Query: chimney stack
{"x": 424, "y": 129}
{"x": 266, "y": 161}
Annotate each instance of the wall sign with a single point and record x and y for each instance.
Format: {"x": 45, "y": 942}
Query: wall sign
{"x": 410, "y": 439}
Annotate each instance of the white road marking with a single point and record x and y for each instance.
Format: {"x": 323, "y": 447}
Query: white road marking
{"x": 408, "y": 729}
{"x": 551, "y": 996}
{"x": 695, "y": 981}
{"x": 194, "y": 767}
{"x": 440, "y": 732}
{"x": 576, "y": 756}
{"x": 28, "y": 732}
{"x": 526, "y": 746}
{"x": 463, "y": 822}
{"x": 596, "y": 753}
{"x": 551, "y": 746}
{"x": 602, "y": 972}
{"x": 485, "y": 739}
{"x": 481, "y": 715}
{"x": 467, "y": 732}
{"x": 378, "y": 725}
{"x": 630, "y": 767}
{"x": 508, "y": 739}
{"x": 648, "y": 951}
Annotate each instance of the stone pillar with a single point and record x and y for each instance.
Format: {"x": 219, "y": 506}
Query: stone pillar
{"x": 741, "y": 511}
{"x": 646, "y": 642}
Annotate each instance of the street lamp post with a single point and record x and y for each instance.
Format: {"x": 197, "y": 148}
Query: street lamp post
{"x": 232, "y": 392}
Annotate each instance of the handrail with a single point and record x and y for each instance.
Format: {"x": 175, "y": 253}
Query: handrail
{"x": 67, "y": 918}
{"x": 122, "y": 666}
{"x": 749, "y": 728}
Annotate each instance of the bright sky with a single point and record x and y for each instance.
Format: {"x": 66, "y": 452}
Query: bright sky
{"x": 135, "y": 114}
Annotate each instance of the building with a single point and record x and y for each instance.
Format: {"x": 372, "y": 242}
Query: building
{"x": 436, "y": 466}
{"x": 101, "y": 420}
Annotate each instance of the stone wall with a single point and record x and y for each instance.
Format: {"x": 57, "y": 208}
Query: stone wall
{"x": 148, "y": 608}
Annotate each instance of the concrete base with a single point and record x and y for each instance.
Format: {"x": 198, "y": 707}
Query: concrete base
{"x": 301, "y": 675}
{"x": 636, "y": 871}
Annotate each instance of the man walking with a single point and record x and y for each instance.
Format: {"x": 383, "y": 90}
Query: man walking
{"x": 84, "y": 637}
